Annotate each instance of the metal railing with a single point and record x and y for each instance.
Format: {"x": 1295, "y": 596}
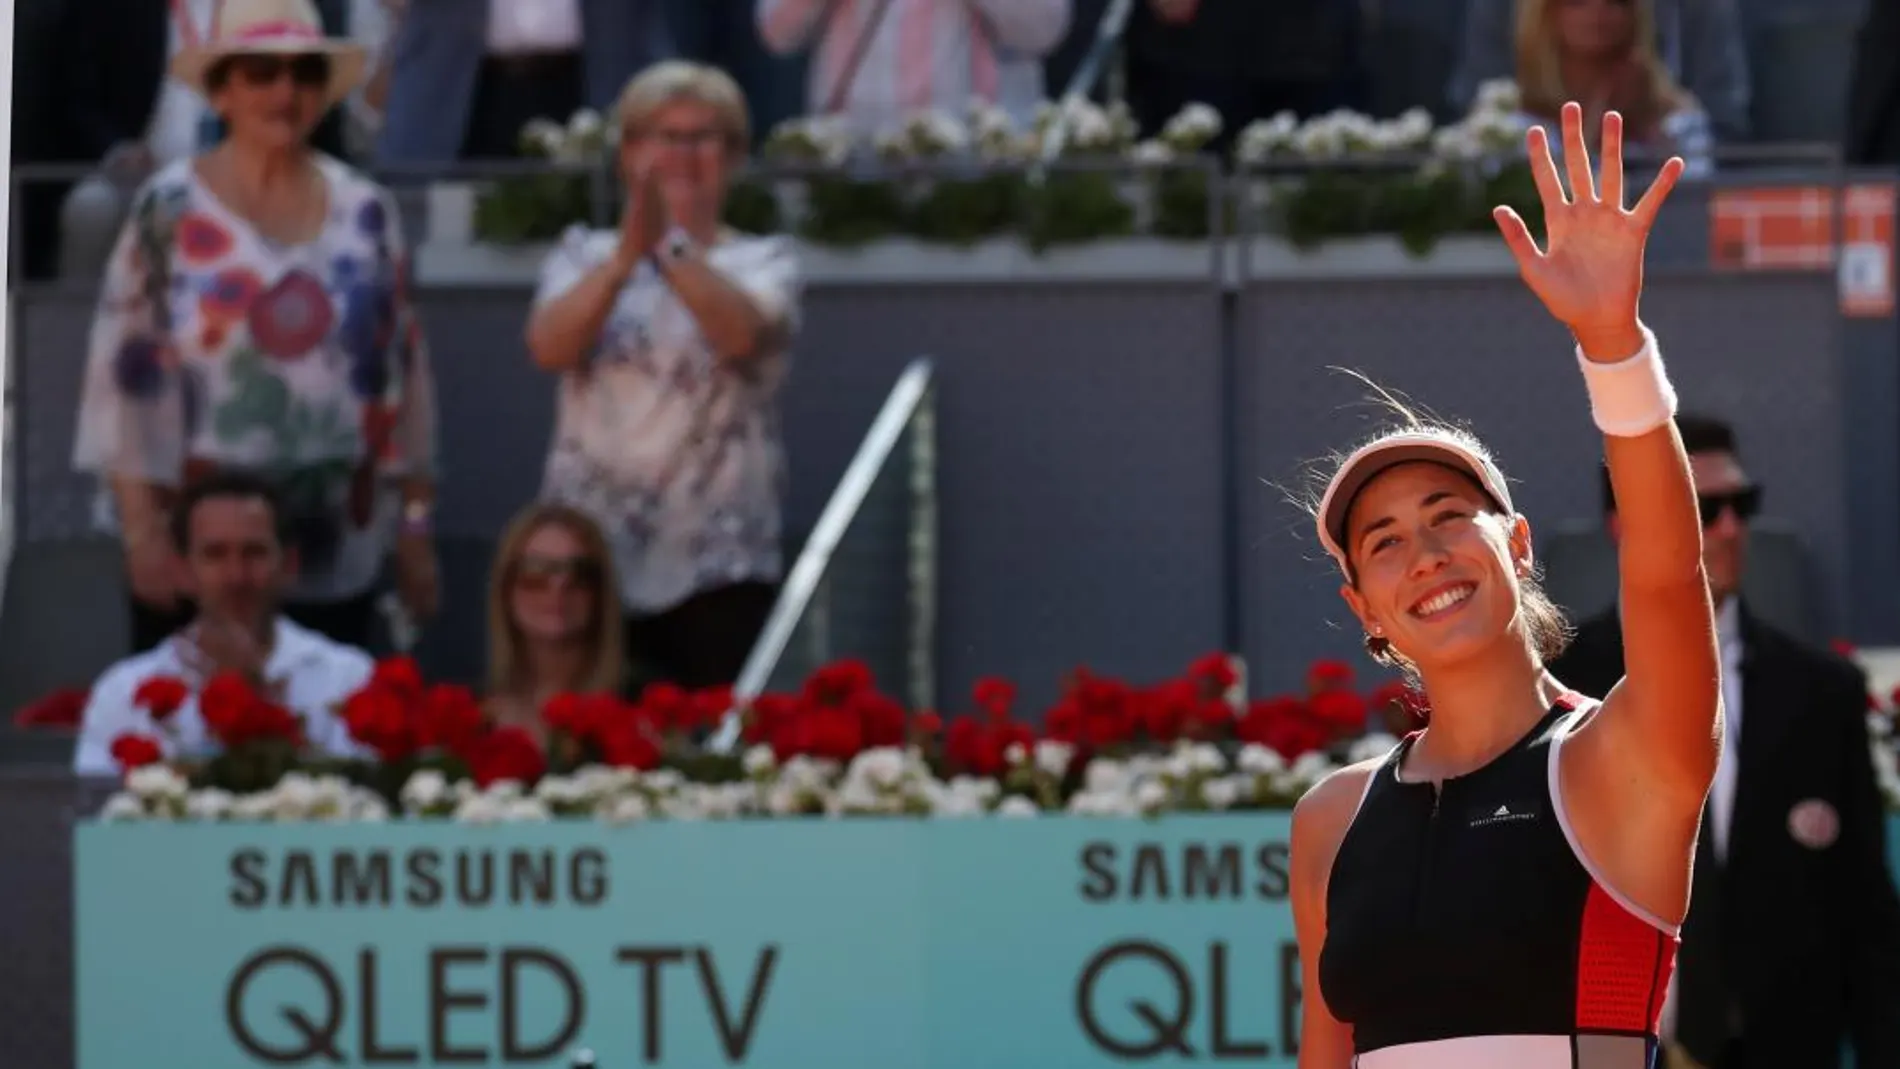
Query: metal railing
{"x": 839, "y": 599}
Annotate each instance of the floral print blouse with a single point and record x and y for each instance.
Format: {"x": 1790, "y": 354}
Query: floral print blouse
{"x": 215, "y": 347}
{"x": 674, "y": 451}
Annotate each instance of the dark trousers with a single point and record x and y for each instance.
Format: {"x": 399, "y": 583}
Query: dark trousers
{"x": 350, "y": 622}
{"x": 704, "y": 640}
{"x": 513, "y": 91}
{"x": 725, "y": 34}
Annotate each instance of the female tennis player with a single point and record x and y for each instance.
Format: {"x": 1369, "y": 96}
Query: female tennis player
{"x": 1504, "y": 889}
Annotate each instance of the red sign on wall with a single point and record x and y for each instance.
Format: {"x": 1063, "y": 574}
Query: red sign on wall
{"x": 1793, "y": 228}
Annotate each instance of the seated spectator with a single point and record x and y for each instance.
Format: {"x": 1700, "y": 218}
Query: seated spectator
{"x": 469, "y": 74}
{"x": 879, "y": 60}
{"x": 1700, "y": 42}
{"x": 1600, "y": 53}
{"x": 551, "y": 629}
{"x": 1245, "y": 59}
{"x": 255, "y": 317}
{"x": 671, "y": 338}
{"x": 237, "y": 559}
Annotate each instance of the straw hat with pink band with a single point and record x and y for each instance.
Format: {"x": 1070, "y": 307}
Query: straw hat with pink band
{"x": 272, "y": 28}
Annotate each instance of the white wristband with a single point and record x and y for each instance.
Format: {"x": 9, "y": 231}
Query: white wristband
{"x": 1631, "y": 397}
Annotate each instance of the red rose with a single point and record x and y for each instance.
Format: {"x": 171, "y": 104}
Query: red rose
{"x": 505, "y": 753}
{"x": 710, "y": 706}
{"x": 1342, "y": 711}
{"x": 667, "y": 707}
{"x": 450, "y": 717}
{"x": 627, "y": 745}
{"x": 222, "y": 704}
{"x": 136, "y": 751}
{"x": 161, "y": 696}
{"x": 994, "y": 696}
{"x": 837, "y": 681}
{"x": 60, "y": 709}
{"x": 376, "y": 717}
{"x": 926, "y": 724}
{"x": 400, "y": 674}
{"x": 880, "y": 719}
{"x": 1213, "y": 674}
{"x": 1326, "y": 676}
{"x": 1063, "y": 723}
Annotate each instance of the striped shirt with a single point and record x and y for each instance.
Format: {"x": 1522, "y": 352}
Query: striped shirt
{"x": 922, "y": 53}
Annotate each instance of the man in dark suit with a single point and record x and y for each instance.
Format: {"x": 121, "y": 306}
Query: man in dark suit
{"x": 1792, "y": 942}
{"x": 1873, "y": 107}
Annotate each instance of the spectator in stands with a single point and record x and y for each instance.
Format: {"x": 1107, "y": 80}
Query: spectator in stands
{"x": 1792, "y": 943}
{"x": 238, "y": 558}
{"x": 550, "y": 629}
{"x": 255, "y": 316}
{"x": 1699, "y": 42}
{"x": 1873, "y": 109}
{"x": 1601, "y": 54}
{"x": 724, "y": 34}
{"x": 879, "y": 60}
{"x": 469, "y": 74}
{"x": 1245, "y": 59}
{"x": 671, "y": 339}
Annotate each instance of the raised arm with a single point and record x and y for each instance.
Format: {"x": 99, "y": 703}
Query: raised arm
{"x": 1643, "y": 764}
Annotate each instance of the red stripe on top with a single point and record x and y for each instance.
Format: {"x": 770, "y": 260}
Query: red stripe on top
{"x": 258, "y": 31}
{"x": 1623, "y": 966}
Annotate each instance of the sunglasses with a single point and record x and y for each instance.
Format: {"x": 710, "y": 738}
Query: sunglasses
{"x": 1745, "y": 503}
{"x": 540, "y": 573}
{"x": 307, "y": 71}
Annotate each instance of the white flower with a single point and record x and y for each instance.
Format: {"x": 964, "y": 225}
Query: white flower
{"x": 963, "y": 796}
{"x": 760, "y": 760}
{"x": 1266, "y": 138}
{"x": 585, "y": 125}
{"x": 368, "y": 808}
{"x": 1015, "y": 754}
{"x": 624, "y": 809}
{"x": 296, "y": 797}
{"x": 1105, "y": 775}
{"x": 425, "y": 790}
{"x": 544, "y": 137}
{"x": 209, "y": 804}
{"x": 1308, "y": 770}
{"x": 1103, "y": 804}
{"x": 1151, "y": 797}
{"x": 1499, "y": 95}
{"x": 123, "y": 806}
{"x": 480, "y": 809}
{"x": 1151, "y": 154}
{"x": 1192, "y": 128}
{"x": 261, "y": 805}
{"x": 1369, "y": 746}
{"x": 1053, "y": 757}
{"x": 524, "y": 811}
{"x": 1222, "y": 793}
{"x": 883, "y": 768}
{"x": 1260, "y": 760}
{"x": 1017, "y": 806}
{"x": 559, "y": 792}
{"x": 157, "y": 783}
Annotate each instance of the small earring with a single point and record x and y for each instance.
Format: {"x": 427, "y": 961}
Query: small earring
{"x": 1377, "y": 631}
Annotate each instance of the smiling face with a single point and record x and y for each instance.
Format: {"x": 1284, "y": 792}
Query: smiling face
{"x": 1436, "y": 565}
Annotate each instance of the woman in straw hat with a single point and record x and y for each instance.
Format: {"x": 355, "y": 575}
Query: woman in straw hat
{"x": 255, "y": 316}
{"x": 1505, "y": 888}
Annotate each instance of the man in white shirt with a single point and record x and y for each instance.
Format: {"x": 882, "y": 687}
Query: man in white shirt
{"x": 228, "y": 530}
{"x": 1791, "y": 949}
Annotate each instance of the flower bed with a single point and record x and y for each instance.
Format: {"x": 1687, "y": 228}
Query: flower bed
{"x": 836, "y": 747}
{"x": 959, "y": 181}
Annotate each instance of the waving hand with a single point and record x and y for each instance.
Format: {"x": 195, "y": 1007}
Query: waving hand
{"x": 1591, "y": 274}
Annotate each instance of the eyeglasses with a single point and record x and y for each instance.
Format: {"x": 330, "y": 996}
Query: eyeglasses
{"x": 539, "y": 573}
{"x": 1745, "y": 502}
{"x": 704, "y": 137}
{"x": 307, "y": 71}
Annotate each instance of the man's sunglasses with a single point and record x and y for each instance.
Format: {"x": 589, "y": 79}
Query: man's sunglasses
{"x": 308, "y": 71}
{"x": 1746, "y": 502}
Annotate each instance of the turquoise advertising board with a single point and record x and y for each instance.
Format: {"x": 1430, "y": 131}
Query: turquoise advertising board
{"x": 1059, "y": 943}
